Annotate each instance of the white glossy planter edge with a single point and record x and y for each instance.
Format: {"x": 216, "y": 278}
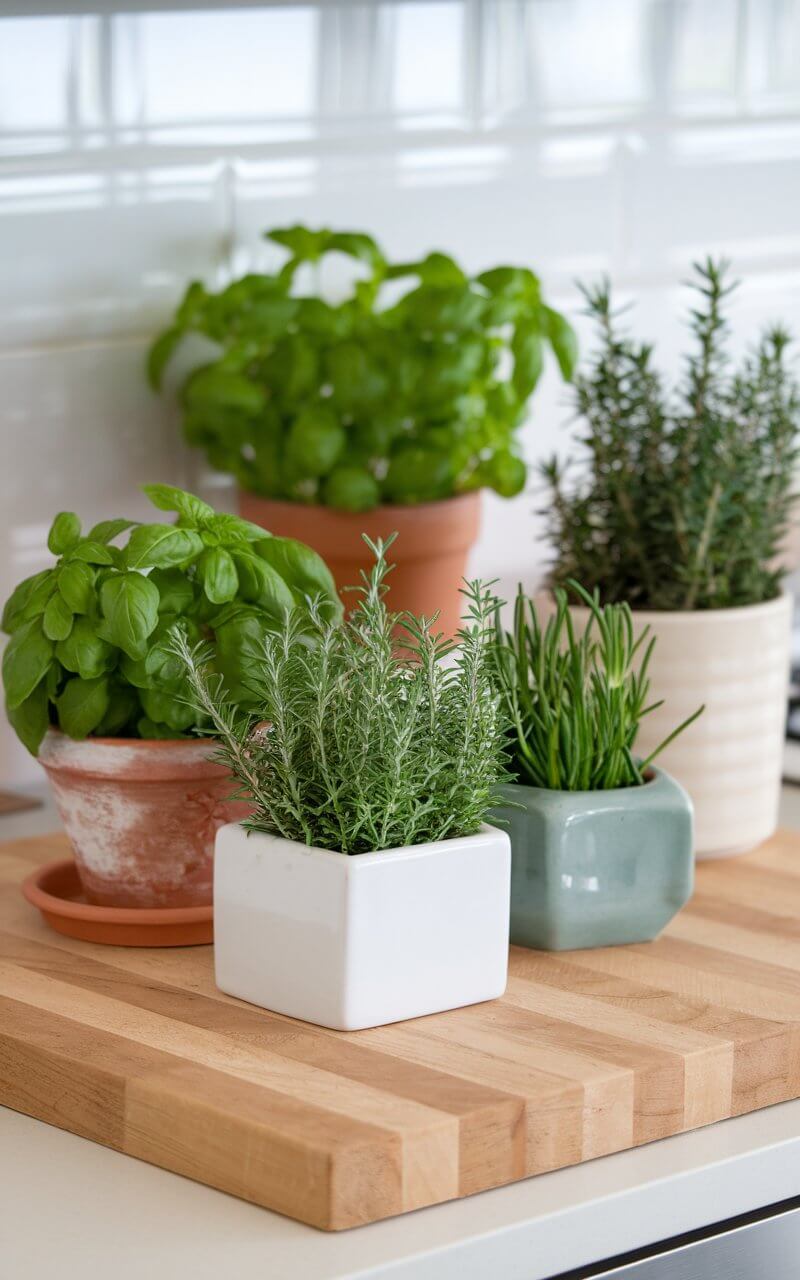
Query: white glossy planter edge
{"x": 350, "y": 942}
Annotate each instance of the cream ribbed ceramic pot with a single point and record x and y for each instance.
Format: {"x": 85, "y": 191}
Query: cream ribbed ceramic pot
{"x": 736, "y": 661}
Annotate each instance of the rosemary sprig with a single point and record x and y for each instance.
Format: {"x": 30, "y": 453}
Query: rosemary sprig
{"x": 358, "y": 744}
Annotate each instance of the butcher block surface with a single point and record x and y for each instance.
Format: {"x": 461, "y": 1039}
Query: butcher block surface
{"x": 587, "y": 1053}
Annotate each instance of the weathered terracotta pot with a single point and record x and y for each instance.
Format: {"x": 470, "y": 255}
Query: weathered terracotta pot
{"x": 430, "y": 554}
{"x": 141, "y": 816}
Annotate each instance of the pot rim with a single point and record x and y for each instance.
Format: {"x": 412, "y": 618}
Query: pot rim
{"x": 653, "y": 776}
{"x": 696, "y": 617}
{"x": 400, "y": 509}
{"x": 148, "y": 744}
{"x": 351, "y": 862}
{"x": 129, "y": 760}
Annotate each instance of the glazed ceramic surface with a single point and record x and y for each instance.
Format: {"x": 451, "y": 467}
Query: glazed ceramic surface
{"x": 141, "y": 816}
{"x": 429, "y": 556}
{"x": 353, "y": 942}
{"x": 597, "y": 868}
{"x": 736, "y": 662}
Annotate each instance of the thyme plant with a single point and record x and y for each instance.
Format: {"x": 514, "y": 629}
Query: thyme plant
{"x": 575, "y": 701}
{"x": 684, "y": 497}
{"x": 355, "y": 744}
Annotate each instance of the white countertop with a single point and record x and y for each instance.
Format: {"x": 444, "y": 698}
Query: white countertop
{"x": 70, "y": 1207}
{"x": 75, "y": 1209}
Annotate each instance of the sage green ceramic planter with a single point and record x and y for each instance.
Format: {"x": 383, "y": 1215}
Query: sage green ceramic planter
{"x": 597, "y": 868}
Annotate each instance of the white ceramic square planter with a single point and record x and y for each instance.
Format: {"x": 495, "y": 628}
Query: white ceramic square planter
{"x": 359, "y": 941}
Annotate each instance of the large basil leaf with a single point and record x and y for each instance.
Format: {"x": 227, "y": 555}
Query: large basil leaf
{"x": 218, "y": 575}
{"x": 134, "y": 670}
{"x": 26, "y": 659}
{"x": 64, "y": 533}
{"x": 32, "y": 593}
{"x": 417, "y": 474}
{"x": 57, "y": 620}
{"x": 316, "y": 439}
{"x": 108, "y": 530}
{"x": 161, "y": 546}
{"x": 512, "y": 282}
{"x": 230, "y": 528}
{"x": 84, "y": 651}
{"x": 292, "y": 369}
{"x": 163, "y": 708}
{"x": 351, "y": 489}
{"x": 240, "y": 654}
{"x": 563, "y": 341}
{"x": 526, "y": 348}
{"x": 30, "y": 719}
{"x": 160, "y": 354}
{"x": 211, "y": 388}
{"x": 162, "y": 668}
{"x": 130, "y": 606}
{"x": 272, "y": 593}
{"x": 123, "y": 707}
{"x": 302, "y": 242}
{"x": 191, "y": 509}
{"x": 93, "y": 552}
{"x": 82, "y": 704}
{"x": 356, "y": 244}
{"x": 302, "y": 570}
{"x": 76, "y": 585}
{"x": 356, "y": 378}
{"x": 437, "y": 269}
{"x": 175, "y": 591}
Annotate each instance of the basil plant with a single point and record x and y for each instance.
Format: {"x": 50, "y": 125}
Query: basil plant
{"x": 372, "y": 399}
{"x": 90, "y": 636}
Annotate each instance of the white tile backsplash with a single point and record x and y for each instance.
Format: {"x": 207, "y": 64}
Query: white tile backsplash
{"x": 141, "y": 149}
{"x": 101, "y": 252}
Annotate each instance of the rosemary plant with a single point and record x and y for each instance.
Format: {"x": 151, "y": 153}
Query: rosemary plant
{"x": 685, "y": 496}
{"x": 575, "y": 701}
{"x": 357, "y": 745}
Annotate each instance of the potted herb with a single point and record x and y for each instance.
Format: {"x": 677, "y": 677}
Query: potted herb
{"x": 366, "y": 886}
{"x": 92, "y": 688}
{"x": 601, "y": 842}
{"x": 680, "y": 509}
{"x": 375, "y": 413}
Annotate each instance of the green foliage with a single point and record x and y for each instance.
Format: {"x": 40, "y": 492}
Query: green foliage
{"x": 685, "y": 497}
{"x": 88, "y": 648}
{"x": 575, "y": 702}
{"x": 353, "y": 745}
{"x": 366, "y": 401}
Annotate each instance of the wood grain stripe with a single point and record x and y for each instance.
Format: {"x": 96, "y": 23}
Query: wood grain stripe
{"x": 489, "y": 1121}
{"x": 430, "y": 1139}
{"x": 251, "y": 1141}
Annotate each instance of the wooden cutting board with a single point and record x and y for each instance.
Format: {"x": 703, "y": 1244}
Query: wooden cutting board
{"x": 587, "y": 1053}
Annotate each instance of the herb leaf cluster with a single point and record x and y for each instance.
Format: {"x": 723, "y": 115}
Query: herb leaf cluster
{"x": 354, "y": 744}
{"x": 683, "y": 498}
{"x": 575, "y": 699}
{"x": 366, "y": 401}
{"x": 89, "y": 647}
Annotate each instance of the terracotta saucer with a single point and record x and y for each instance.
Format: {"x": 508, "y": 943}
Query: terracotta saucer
{"x": 56, "y": 890}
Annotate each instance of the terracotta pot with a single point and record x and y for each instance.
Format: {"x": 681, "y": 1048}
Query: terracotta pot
{"x": 141, "y": 816}
{"x": 736, "y": 662}
{"x": 430, "y": 554}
